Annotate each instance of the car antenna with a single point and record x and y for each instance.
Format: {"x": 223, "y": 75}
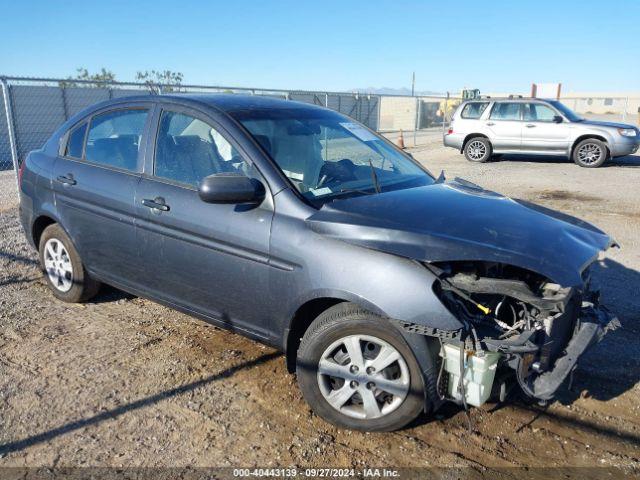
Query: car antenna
{"x": 374, "y": 177}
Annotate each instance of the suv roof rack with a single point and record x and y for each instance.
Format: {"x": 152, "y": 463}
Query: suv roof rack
{"x": 513, "y": 97}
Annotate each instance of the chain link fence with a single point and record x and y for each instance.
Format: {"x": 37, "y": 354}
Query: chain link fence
{"x": 33, "y": 108}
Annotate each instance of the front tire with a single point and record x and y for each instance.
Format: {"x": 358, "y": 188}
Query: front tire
{"x": 356, "y": 371}
{"x": 62, "y": 267}
{"x": 478, "y": 150}
{"x": 590, "y": 153}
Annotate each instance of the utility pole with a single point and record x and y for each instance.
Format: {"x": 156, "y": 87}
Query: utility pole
{"x": 413, "y": 84}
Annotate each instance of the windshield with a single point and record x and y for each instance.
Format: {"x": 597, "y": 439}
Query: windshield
{"x": 326, "y": 155}
{"x": 567, "y": 112}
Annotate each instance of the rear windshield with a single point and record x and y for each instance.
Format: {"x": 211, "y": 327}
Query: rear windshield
{"x": 473, "y": 109}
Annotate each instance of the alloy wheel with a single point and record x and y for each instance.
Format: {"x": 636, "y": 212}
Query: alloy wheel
{"x": 476, "y": 150}
{"x": 58, "y": 265}
{"x": 363, "y": 376}
{"x": 589, "y": 153}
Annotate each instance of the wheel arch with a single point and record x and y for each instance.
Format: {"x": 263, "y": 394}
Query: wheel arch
{"x": 308, "y": 311}
{"x": 586, "y": 136}
{"x": 473, "y": 135}
{"x": 39, "y": 224}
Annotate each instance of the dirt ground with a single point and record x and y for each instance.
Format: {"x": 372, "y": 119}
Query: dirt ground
{"x": 123, "y": 382}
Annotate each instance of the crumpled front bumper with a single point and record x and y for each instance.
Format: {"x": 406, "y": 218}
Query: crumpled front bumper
{"x": 594, "y": 322}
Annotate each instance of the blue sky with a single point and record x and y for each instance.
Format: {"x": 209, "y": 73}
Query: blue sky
{"x": 333, "y": 45}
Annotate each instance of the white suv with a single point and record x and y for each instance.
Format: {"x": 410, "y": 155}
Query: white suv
{"x": 490, "y": 127}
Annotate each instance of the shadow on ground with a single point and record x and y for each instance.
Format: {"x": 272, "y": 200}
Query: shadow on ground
{"x": 144, "y": 402}
{"x": 632, "y": 161}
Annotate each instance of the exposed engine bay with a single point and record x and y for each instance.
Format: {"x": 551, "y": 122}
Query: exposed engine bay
{"x": 516, "y": 323}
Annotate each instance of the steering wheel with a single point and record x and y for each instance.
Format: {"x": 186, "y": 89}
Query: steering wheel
{"x": 340, "y": 171}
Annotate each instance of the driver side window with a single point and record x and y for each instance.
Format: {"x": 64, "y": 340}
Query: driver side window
{"x": 189, "y": 149}
{"x": 536, "y": 112}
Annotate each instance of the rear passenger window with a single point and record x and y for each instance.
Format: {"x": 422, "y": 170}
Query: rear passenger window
{"x": 114, "y": 138}
{"x": 473, "y": 110}
{"x": 75, "y": 142}
{"x": 506, "y": 111}
{"x": 188, "y": 149}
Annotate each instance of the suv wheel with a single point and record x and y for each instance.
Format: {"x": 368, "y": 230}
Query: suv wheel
{"x": 478, "y": 149}
{"x": 356, "y": 370}
{"x": 62, "y": 267}
{"x": 590, "y": 153}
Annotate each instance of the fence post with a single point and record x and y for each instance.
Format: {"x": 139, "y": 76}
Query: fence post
{"x": 8, "y": 110}
{"x": 444, "y": 113}
{"x": 378, "y": 116}
{"x": 415, "y": 126}
{"x": 624, "y": 112}
{"x": 63, "y": 92}
{"x": 326, "y": 100}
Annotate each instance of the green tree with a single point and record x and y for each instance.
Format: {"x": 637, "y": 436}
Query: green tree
{"x": 100, "y": 79}
{"x": 161, "y": 81}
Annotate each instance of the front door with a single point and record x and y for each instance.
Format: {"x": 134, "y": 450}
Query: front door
{"x": 94, "y": 184}
{"x": 505, "y": 125}
{"x": 541, "y": 133}
{"x": 211, "y": 259}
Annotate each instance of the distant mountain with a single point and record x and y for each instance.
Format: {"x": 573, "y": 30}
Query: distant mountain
{"x": 394, "y": 91}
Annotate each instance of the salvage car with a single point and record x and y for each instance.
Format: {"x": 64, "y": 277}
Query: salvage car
{"x": 390, "y": 291}
{"x": 490, "y": 127}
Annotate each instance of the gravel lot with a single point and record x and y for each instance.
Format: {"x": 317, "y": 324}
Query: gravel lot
{"x": 122, "y": 381}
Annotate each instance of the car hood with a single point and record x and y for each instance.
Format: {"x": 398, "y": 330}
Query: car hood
{"x": 458, "y": 220}
{"x": 596, "y": 123}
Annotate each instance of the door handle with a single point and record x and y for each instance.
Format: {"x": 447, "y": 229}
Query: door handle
{"x": 156, "y": 204}
{"x": 530, "y": 125}
{"x": 67, "y": 179}
{"x": 490, "y": 124}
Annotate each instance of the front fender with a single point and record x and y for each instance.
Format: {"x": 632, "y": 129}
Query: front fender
{"x": 401, "y": 289}
{"x": 592, "y": 132}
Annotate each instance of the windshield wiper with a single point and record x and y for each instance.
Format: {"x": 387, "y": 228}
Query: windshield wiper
{"x": 355, "y": 190}
{"x": 374, "y": 177}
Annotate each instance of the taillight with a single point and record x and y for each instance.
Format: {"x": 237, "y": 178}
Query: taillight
{"x": 21, "y": 172}
{"x": 450, "y": 131}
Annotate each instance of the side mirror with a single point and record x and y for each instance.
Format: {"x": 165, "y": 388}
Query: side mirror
{"x": 557, "y": 119}
{"x": 231, "y": 188}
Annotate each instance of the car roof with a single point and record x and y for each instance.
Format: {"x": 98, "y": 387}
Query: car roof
{"x": 509, "y": 99}
{"x": 226, "y": 102}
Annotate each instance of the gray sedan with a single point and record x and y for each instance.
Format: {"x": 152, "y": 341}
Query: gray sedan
{"x": 390, "y": 291}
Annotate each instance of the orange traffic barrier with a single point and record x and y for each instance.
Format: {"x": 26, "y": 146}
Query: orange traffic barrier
{"x": 400, "y": 141}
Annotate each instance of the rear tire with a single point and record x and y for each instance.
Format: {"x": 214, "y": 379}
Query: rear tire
{"x": 62, "y": 267}
{"x": 478, "y": 150}
{"x": 362, "y": 390}
{"x": 590, "y": 153}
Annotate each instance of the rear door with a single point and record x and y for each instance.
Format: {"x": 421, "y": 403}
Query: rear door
{"x": 95, "y": 178}
{"x": 505, "y": 125}
{"x": 541, "y": 133}
{"x": 211, "y": 259}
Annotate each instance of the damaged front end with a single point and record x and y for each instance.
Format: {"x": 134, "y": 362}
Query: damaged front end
{"x": 516, "y": 323}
